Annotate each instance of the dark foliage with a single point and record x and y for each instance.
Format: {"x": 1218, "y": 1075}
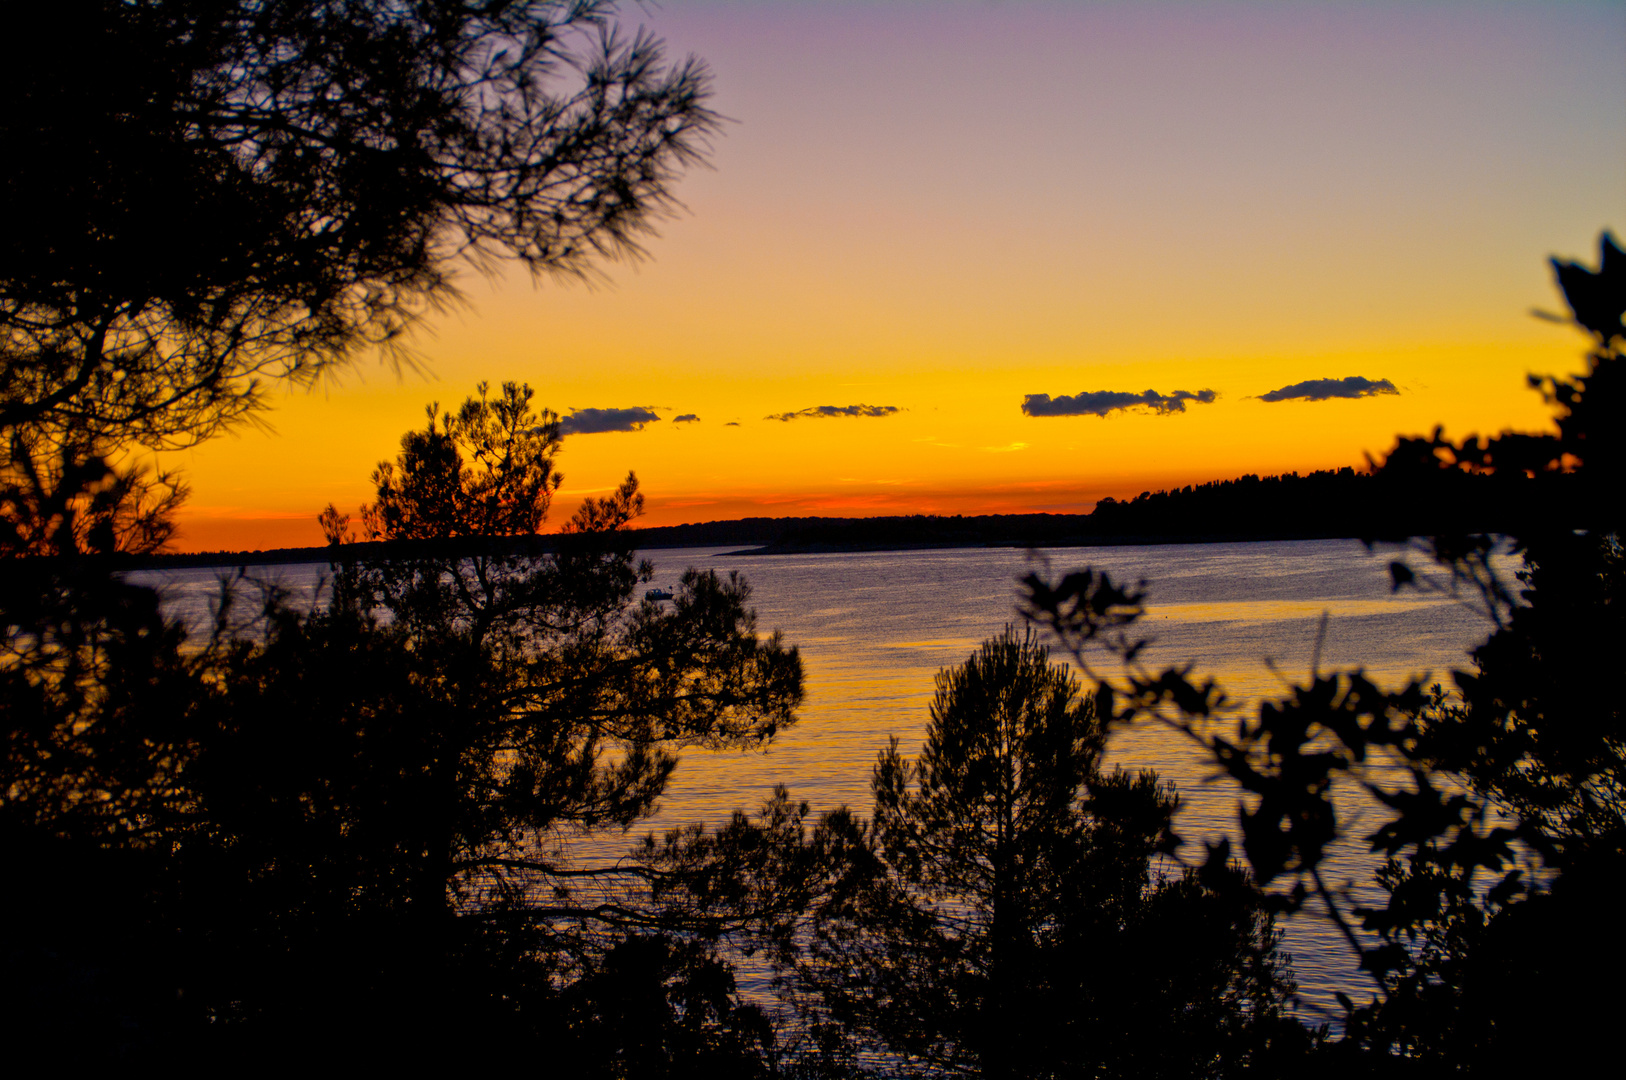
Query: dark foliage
{"x": 486, "y": 471}
{"x": 999, "y": 914}
{"x": 355, "y": 824}
{"x": 384, "y": 805}
{"x": 656, "y": 1007}
{"x": 1500, "y": 804}
{"x": 98, "y": 710}
{"x": 225, "y": 191}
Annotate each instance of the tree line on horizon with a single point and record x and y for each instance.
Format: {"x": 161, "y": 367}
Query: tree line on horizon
{"x": 1323, "y": 504}
{"x": 345, "y": 829}
{"x": 1343, "y": 503}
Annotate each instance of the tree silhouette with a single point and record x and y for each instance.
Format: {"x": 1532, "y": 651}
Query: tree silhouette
{"x": 486, "y": 471}
{"x": 999, "y": 914}
{"x": 226, "y": 193}
{"x": 223, "y": 192}
{"x": 659, "y": 1007}
{"x": 1501, "y": 806}
{"x": 386, "y": 803}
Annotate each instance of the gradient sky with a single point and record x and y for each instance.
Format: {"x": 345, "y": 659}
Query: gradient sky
{"x": 947, "y": 207}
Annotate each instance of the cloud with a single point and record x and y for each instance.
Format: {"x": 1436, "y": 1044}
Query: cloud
{"x": 1325, "y": 389}
{"x": 686, "y": 418}
{"x": 1101, "y": 402}
{"x": 837, "y": 410}
{"x": 732, "y": 423}
{"x": 597, "y": 421}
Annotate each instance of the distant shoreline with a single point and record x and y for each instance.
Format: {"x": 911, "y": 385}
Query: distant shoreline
{"x": 1073, "y": 542}
{"x": 1326, "y": 505}
{"x": 285, "y": 556}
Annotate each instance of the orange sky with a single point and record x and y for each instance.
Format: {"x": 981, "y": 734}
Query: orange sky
{"x": 946, "y": 215}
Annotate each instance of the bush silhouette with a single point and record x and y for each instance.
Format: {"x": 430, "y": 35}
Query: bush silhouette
{"x": 1501, "y": 803}
{"x": 1000, "y": 914}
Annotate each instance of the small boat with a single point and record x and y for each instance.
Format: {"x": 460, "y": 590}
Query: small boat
{"x": 658, "y": 594}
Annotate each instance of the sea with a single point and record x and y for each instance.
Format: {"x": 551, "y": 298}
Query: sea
{"x": 875, "y": 628}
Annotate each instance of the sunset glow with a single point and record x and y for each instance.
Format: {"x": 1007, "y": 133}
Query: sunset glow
{"x": 940, "y": 211}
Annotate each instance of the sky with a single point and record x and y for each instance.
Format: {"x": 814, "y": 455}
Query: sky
{"x": 1017, "y": 257}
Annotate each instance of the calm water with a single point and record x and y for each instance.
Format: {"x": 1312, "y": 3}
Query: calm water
{"x": 874, "y": 628}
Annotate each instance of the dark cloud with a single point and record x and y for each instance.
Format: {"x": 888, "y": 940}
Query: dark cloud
{"x": 1101, "y": 402}
{"x": 597, "y": 421}
{"x": 732, "y": 423}
{"x": 836, "y": 410}
{"x": 686, "y": 418}
{"x": 1325, "y": 389}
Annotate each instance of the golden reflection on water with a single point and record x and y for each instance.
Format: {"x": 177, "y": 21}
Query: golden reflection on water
{"x": 1250, "y": 615}
{"x": 968, "y": 644}
{"x": 1278, "y": 610}
{"x": 876, "y": 627}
